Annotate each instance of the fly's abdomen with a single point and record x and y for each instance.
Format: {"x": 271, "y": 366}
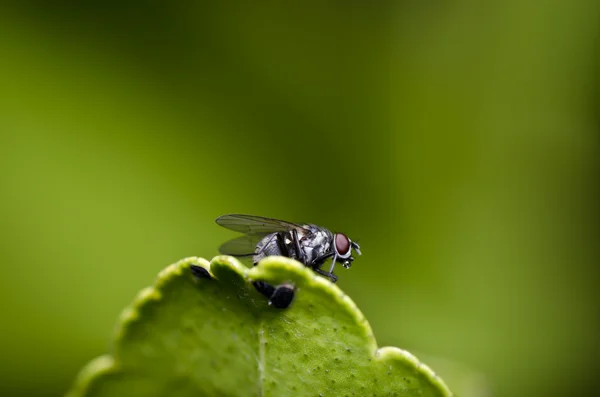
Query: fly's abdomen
{"x": 278, "y": 244}
{"x": 270, "y": 245}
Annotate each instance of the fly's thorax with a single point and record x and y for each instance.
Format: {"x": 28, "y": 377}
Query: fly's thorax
{"x": 316, "y": 243}
{"x": 313, "y": 244}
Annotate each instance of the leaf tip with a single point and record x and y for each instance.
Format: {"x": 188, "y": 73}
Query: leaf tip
{"x": 400, "y": 358}
{"x": 95, "y": 369}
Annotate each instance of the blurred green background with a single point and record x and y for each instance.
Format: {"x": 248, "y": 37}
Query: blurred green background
{"x": 458, "y": 141}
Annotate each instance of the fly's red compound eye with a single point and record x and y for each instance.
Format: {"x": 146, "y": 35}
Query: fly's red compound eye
{"x": 342, "y": 244}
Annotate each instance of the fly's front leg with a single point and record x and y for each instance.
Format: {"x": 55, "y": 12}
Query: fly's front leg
{"x": 318, "y": 262}
{"x": 331, "y": 276}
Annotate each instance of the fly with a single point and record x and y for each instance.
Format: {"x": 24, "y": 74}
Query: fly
{"x": 309, "y": 244}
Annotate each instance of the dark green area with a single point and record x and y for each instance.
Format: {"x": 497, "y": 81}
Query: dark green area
{"x": 457, "y": 141}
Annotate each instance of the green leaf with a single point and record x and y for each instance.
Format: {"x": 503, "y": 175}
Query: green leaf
{"x": 189, "y": 336}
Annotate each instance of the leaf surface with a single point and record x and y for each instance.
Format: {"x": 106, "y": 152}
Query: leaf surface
{"x": 217, "y": 336}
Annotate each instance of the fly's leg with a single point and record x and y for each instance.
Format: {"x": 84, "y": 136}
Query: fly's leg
{"x": 279, "y": 297}
{"x": 331, "y": 276}
{"x": 318, "y": 262}
{"x": 283, "y": 296}
{"x": 264, "y": 288}
{"x": 283, "y": 249}
{"x": 299, "y": 252}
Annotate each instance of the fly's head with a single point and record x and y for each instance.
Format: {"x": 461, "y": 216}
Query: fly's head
{"x": 343, "y": 249}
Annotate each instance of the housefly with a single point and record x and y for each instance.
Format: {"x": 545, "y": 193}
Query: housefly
{"x": 309, "y": 244}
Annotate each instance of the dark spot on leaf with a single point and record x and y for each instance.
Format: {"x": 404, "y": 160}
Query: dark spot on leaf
{"x": 200, "y": 272}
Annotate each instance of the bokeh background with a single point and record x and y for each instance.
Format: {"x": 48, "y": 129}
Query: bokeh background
{"x": 458, "y": 141}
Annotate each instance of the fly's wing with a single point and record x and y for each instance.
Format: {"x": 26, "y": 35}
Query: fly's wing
{"x": 257, "y": 225}
{"x": 241, "y": 246}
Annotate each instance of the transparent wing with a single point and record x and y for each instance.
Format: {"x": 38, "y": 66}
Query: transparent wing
{"x": 241, "y": 246}
{"x": 250, "y": 224}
